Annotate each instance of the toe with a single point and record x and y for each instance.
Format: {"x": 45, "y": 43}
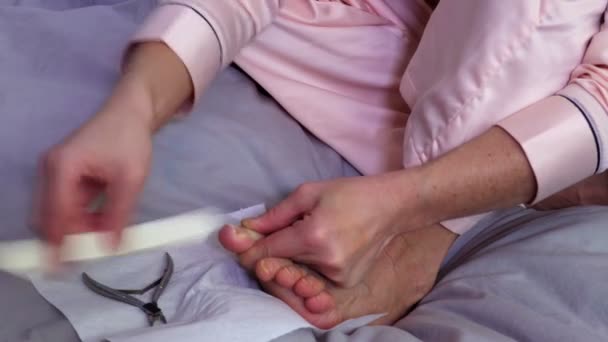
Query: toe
{"x": 324, "y": 320}
{"x": 321, "y": 303}
{"x": 237, "y": 239}
{"x": 266, "y": 269}
{"x": 289, "y": 275}
{"x": 309, "y": 286}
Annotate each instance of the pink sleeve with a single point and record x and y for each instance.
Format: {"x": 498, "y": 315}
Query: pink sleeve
{"x": 189, "y": 36}
{"x": 558, "y": 142}
{"x": 565, "y": 137}
{"x": 206, "y": 34}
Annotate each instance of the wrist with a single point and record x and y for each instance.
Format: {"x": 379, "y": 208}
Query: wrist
{"x": 425, "y": 190}
{"x": 429, "y": 197}
{"x": 133, "y": 101}
{"x": 160, "y": 80}
{"x": 408, "y": 192}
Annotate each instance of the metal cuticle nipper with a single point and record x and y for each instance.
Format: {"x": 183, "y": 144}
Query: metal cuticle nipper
{"x": 151, "y": 309}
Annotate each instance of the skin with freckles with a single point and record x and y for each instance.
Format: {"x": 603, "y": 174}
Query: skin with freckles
{"x": 369, "y": 245}
{"x": 401, "y": 275}
{"x": 110, "y": 154}
{"x": 277, "y": 244}
{"x": 338, "y": 227}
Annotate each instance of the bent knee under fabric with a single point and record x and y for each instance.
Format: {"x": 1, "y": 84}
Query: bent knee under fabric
{"x": 536, "y": 277}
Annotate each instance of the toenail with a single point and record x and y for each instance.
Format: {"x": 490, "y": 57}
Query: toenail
{"x": 246, "y": 223}
{"x": 263, "y": 264}
{"x": 244, "y": 233}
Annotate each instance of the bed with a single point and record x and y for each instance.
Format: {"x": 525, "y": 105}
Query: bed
{"x": 519, "y": 275}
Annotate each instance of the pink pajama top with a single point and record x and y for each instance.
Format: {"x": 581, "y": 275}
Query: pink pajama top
{"x": 354, "y": 72}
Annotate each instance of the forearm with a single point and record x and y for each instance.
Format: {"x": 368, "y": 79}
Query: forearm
{"x": 154, "y": 85}
{"x": 487, "y": 173}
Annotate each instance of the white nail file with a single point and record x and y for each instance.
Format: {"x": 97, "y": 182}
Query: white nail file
{"x": 23, "y": 256}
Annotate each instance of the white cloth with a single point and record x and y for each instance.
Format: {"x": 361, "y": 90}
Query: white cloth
{"x": 210, "y": 297}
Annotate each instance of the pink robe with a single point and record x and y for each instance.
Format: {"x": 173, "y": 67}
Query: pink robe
{"x": 355, "y": 72}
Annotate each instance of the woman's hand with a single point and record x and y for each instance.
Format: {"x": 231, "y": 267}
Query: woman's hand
{"x": 109, "y": 155}
{"x": 337, "y": 227}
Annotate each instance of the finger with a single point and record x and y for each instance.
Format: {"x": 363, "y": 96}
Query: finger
{"x": 35, "y": 218}
{"x": 59, "y": 210}
{"x": 282, "y": 244}
{"x": 286, "y": 212}
{"x": 121, "y": 198}
{"x": 52, "y": 265}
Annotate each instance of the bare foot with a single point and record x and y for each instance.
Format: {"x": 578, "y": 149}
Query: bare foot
{"x": 402, "y": 275}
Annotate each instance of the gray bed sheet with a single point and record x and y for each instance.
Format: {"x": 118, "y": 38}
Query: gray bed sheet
{"x": 58, "y": 61}
{"x": 521, "y": 275}
{"x": 518, "y": 276}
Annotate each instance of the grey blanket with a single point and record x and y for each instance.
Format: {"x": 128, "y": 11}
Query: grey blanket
{"x": 520, "y": 276}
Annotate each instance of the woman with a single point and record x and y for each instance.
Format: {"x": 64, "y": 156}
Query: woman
{"x": 490, "y": 85}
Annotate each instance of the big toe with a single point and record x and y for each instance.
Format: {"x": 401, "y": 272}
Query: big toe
{"x": 237, "y": 239}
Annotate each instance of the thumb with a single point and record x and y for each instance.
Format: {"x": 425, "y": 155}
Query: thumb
{"x": 298, "y": 203}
